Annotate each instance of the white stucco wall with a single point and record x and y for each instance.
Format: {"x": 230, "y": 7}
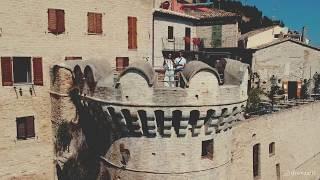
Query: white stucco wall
{"x": 265, "y": 37}
{"x": 161, "y": 35}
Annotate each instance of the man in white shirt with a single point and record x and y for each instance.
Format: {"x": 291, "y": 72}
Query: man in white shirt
{"x": 179, "y": 63}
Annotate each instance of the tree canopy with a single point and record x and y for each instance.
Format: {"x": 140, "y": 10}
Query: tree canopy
{"x": 252, "y": 17}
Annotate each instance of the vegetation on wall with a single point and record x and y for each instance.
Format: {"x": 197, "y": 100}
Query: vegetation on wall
{"x": 254, "y": 99}
{"x": 64, "y": 136}
{"x": 254, "y": 16}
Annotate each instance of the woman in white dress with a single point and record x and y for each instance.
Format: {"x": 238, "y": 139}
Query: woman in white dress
{"x": 168, "y": 66}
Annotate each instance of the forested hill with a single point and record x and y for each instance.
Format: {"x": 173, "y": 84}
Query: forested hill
{"x": 252, "y": 17}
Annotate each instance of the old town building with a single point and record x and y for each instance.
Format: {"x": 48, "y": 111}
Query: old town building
{"x": 80, "y": 95}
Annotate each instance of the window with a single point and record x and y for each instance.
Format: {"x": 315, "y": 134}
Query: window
{"x": 56, "y": 23}
{"x": 19, "y": 70}
{"x": 207, "y": 149}
{"x": 256, "y": 161}
{"x": 67, "y": 58}
{"x": 272, "y": 149}
{"x": 277, "y": 36}
{"x": 278, "y": 171}
{"x": 94, "y": 23}
{"x": 132, "y": 33}
{"x": 25, "y": 127}
{"x": 22, "y": 70}
{"x": 170, "y": 32}
{"x": 216, "y": 36}
{"x": 122, "y": 63}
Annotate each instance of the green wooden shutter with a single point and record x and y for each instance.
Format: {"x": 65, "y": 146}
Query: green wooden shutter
{"x": 216, "y": 36}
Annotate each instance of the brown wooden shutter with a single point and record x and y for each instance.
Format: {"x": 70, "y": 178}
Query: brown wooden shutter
{"x": 21, "y": 128}
{"x": 30, "y": 126}
{"x": 130, "y": 32}
{"x": 37, "y": 71}
{"x": 98, "y": 18}
{"x": 91, "y": 23}
{"x": 135, "y": 38}
{"x": 52, "y": 20}
{"x": 6, "y": 69}
{"x": 60, "y": 21}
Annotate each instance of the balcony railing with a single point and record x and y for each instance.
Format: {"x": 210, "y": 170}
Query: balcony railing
{"x": 181, "y": 44}
{"x": 196, "y": 44}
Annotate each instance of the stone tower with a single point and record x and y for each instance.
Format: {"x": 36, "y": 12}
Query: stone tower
{"x": 151, "y": 132}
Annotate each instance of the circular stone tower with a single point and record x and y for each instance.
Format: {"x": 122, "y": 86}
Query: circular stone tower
{"x": 160, "y": 132}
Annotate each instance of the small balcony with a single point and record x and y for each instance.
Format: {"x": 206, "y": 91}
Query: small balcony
{"x": 181, "y": 44}
{"x": 196, "y": 44}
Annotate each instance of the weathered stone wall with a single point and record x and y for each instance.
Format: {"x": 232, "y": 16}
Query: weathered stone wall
{"x": 295, "y": 133}
{"x": 229, "y": 38}
{"x": 24, "y": 32}
{"x": 288, "y": 61}
{"x": 171, "y": 158}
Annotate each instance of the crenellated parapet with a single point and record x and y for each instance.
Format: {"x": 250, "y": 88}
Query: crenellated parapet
{"x": 135, "y": 100}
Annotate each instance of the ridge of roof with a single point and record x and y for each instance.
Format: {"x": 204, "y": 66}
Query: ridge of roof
{"x": 256, "y": 31}
{"x": 276, "y": 42}
{"x": 200, "y": 14}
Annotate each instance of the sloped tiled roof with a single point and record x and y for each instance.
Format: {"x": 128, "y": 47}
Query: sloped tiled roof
{"x": 199, "y": 14}
{"x": 214, "y": 13}
{"x": 173, "y": 13}
{"x": 254, "y": 32}
{"x": 276, "y": 42}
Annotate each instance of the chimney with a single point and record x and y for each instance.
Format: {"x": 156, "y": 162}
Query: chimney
{"x": 303, "y": 34}
{"x": 175, "y": 6}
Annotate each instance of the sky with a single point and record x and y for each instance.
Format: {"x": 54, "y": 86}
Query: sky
{"x": 294, "y": 13}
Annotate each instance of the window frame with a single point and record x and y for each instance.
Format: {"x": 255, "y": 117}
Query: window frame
{"x": 272, "y": 149}
{"x": 206, "y": 147}
{"x": 95, "y": 23}
{"x": 14, "y": 58}
{"x": 170, "y": 33}
{"x": 59, "y": 24}
{"x": 132, "y": 33}
{"x": 24, "y": 121}
{"x": 35, "y": 67}
{"x": 256, "y": 166}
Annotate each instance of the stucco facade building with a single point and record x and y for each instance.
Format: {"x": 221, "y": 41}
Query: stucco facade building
{"x": 31, "y": 44}
{"x": 91, "y": 65}
{"x": 289, "y": 61}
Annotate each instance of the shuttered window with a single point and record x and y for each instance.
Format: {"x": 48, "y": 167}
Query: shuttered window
{"x": 37, "y": 71}
{"x": 68, "y": 58}
{"x": 18, "y": 70}
{"x": 6, "y": 69}
{"x": 56, "y": 23}
{"x": 94, "y": 23}
{"x": 216, "y": 36}
{"x": 25, "y": 127}
{"x": 122, "y": 63}
{"x": 132, "y": 33}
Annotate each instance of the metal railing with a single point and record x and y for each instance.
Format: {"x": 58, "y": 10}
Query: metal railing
{"x": 196, "y": 44}
{"x": 181, "y": 44}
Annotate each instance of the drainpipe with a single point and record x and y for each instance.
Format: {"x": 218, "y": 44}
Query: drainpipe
{"x": 153, "y": 34}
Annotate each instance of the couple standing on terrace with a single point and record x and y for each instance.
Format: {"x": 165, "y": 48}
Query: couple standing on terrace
{"x": 173, "y": 69}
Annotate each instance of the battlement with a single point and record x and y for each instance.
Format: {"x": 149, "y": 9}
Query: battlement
{"x": 141, "y": 108}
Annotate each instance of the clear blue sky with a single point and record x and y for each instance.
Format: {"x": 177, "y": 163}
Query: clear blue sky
{"x": 294, "y": 13}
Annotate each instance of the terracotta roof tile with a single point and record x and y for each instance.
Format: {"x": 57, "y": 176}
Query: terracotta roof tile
{"x": 213, "y": 13}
